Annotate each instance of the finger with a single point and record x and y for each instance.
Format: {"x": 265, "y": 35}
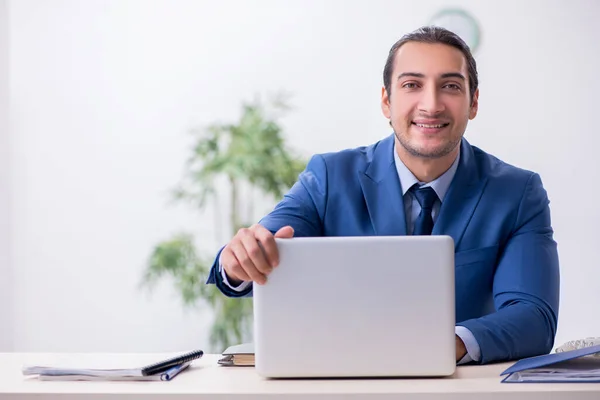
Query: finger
{"x": 246, "y": 263}
{"x": 285, "y": 233}
{"x": 232, "y": 267}
{"x": 256, "y": 254}
{"x": 267, "y": 241}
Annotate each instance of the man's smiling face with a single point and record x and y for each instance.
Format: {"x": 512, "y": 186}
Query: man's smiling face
{"x": 429, "y": 104}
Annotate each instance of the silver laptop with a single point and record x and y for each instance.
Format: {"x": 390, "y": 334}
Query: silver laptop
{"x": 357, "y": 307}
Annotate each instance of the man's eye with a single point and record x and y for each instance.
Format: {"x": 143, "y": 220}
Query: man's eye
{"x": 409, "y": 85}
{"x": 452, "y": 86}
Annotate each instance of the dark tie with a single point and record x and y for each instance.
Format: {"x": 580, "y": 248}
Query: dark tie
{"x": 426, "y": 197}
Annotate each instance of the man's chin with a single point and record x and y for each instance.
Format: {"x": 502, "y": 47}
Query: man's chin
{"x": 429, "y": 146}
{"x": 430, "y": 150}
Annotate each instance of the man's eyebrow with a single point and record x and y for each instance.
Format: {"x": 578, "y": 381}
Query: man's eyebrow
{"x": 413, "y": 74}
{"x": 443, "y": 76}
{"x": 453, "y": 75}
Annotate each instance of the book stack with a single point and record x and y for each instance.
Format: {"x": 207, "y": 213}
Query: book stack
{"x": 241, "y": 355}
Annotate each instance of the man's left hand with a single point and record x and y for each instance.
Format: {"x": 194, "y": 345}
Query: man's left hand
{"x": 461, "y": 350}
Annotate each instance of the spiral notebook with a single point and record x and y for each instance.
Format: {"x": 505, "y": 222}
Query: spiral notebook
{"x": 163, "y": 376}
{"x": 164, "y": 370}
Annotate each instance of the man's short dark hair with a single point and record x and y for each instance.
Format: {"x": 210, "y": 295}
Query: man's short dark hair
{"x": 432, "y": 35}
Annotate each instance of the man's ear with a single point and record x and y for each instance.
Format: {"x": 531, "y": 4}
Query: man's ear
{"x": 474, "y": 105}
{"x": 385, "y": 103}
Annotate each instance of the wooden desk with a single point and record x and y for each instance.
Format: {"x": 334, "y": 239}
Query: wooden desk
{"x": 206, "y": 380}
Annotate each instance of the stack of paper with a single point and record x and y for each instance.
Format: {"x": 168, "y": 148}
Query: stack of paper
{"x": 75, "y": 374}
{"x": 164, "y": 370}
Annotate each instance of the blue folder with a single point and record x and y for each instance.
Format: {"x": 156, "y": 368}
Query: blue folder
{"x": 568, "y": 366}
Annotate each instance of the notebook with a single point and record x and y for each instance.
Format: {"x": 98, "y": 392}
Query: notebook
{"x": 241, "y": 355}
{"x": 160, "y": 371}
{"x": 117, "y": 376}
{"x": 579, "y": 365}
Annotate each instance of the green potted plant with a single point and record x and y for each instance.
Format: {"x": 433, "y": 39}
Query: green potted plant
{"x": 250, "y": 154}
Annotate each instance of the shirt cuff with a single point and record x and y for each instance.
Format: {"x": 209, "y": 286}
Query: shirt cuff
{"x": 240, "y": 288}
{"x": 473, "y": 350}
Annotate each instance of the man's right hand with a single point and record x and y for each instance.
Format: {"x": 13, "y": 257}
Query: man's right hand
{"x": 243, "y": 258}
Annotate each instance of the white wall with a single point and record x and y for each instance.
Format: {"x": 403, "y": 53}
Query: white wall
{"x": 6, "y": 295}
{"x": 103, "y": 92}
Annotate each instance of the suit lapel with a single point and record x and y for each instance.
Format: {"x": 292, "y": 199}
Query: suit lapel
{"x": 462, "y": 197}
{"x": 382, "y": 191}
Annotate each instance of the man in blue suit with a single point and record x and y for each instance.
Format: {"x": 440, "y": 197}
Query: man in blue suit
{"x": 423, "y": 179}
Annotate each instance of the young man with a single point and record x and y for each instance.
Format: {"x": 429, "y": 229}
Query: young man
{"x": 427, "y": 179}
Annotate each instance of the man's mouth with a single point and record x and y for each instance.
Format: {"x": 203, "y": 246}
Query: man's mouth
{"x": 431, "y": 126}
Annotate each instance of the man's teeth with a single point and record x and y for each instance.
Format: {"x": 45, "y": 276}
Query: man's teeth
{"x": 430, "y": 126}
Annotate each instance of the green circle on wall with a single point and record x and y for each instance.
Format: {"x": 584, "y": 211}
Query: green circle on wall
{"x": 460, "y": 22}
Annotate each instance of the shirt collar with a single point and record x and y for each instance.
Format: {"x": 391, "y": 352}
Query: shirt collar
{"x": 440, "y": 185}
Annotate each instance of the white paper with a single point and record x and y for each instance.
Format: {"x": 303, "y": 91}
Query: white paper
{"x": 73, "y": 374}
{"x": 53, "y": 371}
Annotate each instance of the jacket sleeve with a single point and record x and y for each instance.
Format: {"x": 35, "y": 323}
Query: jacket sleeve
{"x": 303, "y": 207}
{"x": 525, "y": 288}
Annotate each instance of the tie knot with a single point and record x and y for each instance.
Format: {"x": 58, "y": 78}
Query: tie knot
{"x": 426, "y": 196}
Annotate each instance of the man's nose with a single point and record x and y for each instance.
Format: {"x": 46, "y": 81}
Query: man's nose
{"x": 431, "y": 102}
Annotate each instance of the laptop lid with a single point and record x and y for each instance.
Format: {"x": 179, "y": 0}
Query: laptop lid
{"x": 358, "y": 307}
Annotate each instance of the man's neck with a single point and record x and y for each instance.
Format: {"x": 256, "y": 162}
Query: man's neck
{"x": 426, "y": 169}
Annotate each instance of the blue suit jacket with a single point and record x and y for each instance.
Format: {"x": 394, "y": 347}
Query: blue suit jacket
{"x": 507, "y": 272}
